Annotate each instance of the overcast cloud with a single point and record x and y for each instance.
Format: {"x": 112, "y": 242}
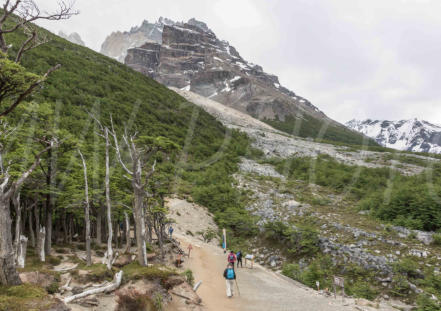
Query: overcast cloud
{"x": 351, "y": 58}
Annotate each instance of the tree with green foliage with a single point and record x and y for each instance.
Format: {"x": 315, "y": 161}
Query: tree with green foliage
{"x": 16, "y": 82}
{"x": 11, "y": 181}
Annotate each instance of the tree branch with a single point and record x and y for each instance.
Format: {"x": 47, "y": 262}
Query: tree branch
{"x": 26, "y": 93}
{"x": 26, "y": 174}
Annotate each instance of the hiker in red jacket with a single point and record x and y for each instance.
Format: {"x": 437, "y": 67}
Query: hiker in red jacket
{"x": 232, "y": 258}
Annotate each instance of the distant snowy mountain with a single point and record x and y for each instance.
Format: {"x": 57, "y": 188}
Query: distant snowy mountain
{"x": 73, "y": 37}
{"x": 411, "y": 135}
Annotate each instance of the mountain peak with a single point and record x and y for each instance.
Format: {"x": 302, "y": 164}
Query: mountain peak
{"x": 410, "y": 135}
{"x": 73, "y": 37}
{"x": 203, "y": 26}
{"x": 188, "y": 55}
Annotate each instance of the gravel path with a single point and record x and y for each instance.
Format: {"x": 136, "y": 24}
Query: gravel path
{"x": 260, "y": 289}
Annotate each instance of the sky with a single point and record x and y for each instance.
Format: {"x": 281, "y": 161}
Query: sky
{"x": 378, "y": 59}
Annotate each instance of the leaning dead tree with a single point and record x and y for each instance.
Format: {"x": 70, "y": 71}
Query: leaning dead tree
{"x": 9, "y": 188}
{"x": 140, "y": 157}
{"x": 19, "y": 16}
{"x": 86, "y": 211}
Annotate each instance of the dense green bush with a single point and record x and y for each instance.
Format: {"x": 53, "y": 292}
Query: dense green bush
{"x": 362, "y": 289}
{"x": 298, "y": 241}
{"x": 400, "y": 286}
{"x": 426, "y": 303}
{"x": 437, "y": 239}
{"x": 407, "y": 267}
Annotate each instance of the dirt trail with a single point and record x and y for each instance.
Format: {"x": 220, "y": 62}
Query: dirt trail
{"x": 260, "y": 289}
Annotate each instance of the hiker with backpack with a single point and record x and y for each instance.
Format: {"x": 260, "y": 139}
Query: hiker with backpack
{"x": 170, "y": 231}
{"x": 239, "y": 259}
{"x": 230, "y": 277}
{"x": 231, "y": 258}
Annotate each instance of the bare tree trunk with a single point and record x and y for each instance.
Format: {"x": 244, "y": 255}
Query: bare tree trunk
{"x": 116, "y": 236}
{"x": 49, "y": 211}
{"x": 21, "y": 254}
{"x": 37, "y": 223}
{"x": 99, "y": 221}
{"x": 64, "y": 224}
{"x": 70, "y": 229}
{"x": 127, "y": 227}
{"x": 8, "y": 273}
{"x": 149, "y": 226}
{"x": 140, "y": 230}
{"x": 86, "y": 212}
{"x": 17, "y": 206}
{"x": 31, "y": 227}
{"x": 40, "y": 244}
{"x": 108, "y": 204}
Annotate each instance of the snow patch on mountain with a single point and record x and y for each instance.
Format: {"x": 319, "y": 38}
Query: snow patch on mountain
{"x": 410, "y": 135}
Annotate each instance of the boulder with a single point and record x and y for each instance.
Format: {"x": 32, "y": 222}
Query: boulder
{"x": 123, "y": 260}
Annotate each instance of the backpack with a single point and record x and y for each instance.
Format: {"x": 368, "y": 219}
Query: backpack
{"x": 231, "y": 258}
{"x": 239, "y": 255}
{"x": 230, "y": 274}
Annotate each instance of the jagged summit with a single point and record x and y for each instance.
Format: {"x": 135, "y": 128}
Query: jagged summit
{"x": 73, "y": 37}
{"x": 411, "y": 135}
{"x": 189, "y": 56}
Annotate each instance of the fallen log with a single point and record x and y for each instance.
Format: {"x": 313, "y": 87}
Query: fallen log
{"x": 66, "y": 287}
{"x": 104, "y": 289}
{"x": 66, "y": 268}
{"x": 182, "y": 296}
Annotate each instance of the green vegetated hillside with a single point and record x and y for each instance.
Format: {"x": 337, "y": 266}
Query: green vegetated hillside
{"x": 409, "y": 201}
{"x": 310, "y": 127}
{"x": 91, "y": 82}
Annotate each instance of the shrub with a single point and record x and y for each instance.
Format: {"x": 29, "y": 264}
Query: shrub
{"x": 407, "y": 267}
{"x": 53, "y": 288}
{"x": 54, "y": 261}
{"x": 362, "y": 289}
{"x": 189, "y": 276}
{"x": 437, "y": 239}
{"x": 134, "y": 271}
{"x": 292, "y": 271}
{"x": 426, "y": 303}
{"x": 129, "y": 300}
{"x": 298, "y": 241}
{"x": 313, "y": 274}
{"x": 149, "y": 248}
{"x": 400, "y": 286}
{"x": 157, "y": 301}
{"x": 208, "y": 235}
{"x": 99, "y": 253}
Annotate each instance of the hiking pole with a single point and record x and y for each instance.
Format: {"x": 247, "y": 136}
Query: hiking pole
{"x": 237, "y": 287}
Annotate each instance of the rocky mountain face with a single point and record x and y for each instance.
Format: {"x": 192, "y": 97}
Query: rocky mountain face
{"x": 411, "y": 135}
{"x": 73, "y": 37}
{"x": 189, "y": 56}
